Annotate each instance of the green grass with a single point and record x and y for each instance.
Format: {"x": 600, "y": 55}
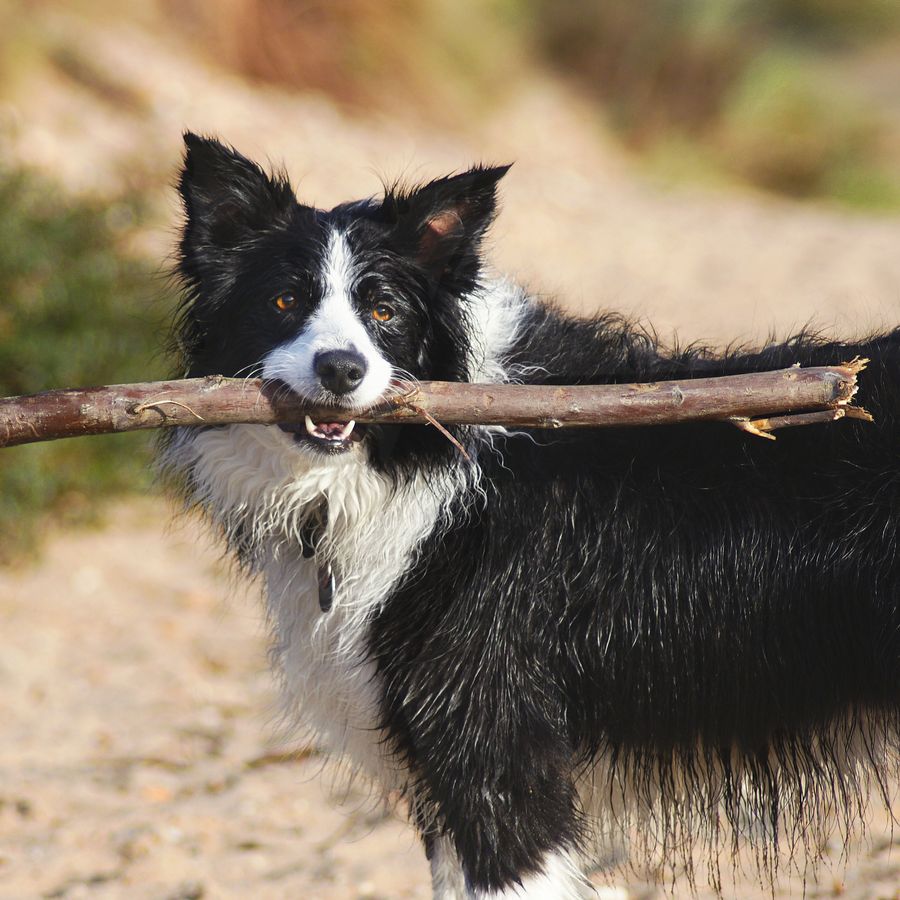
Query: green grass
{"x": 74, "y": 310}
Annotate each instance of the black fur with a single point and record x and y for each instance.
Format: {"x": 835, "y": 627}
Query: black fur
{"x": 680, "y": 602}
{"x": 708, "y": 619}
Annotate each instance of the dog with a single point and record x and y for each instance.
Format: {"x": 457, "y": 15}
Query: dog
{"x": 555, "y": 636}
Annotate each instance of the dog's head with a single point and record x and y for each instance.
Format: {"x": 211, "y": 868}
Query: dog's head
{"x": 336, "y": 303}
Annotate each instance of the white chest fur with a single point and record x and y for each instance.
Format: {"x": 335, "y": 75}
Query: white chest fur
{"x": 252, "y": 479}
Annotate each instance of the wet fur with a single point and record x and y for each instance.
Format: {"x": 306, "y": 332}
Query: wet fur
{"x": 683, "y": 626}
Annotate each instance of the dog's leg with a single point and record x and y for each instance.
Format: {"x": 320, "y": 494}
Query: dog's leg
{"x": 561, "y": 879}
{"x": 447, "y": 879}
{"x": 487, "y": 740}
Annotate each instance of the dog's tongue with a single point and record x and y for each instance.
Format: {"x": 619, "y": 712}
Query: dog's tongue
{"x": 330, "y": 429}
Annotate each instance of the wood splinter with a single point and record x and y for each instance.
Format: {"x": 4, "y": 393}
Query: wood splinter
{"x": 763, "y": 427}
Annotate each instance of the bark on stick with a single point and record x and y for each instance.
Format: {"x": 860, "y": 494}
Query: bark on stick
{"x": 773, "y": 397}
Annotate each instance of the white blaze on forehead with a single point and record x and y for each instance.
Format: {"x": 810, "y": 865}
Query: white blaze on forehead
{"x": 337, "y": 273}
{"x": 335, "y": 325}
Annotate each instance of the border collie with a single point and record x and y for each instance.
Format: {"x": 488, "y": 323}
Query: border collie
{"x": 558, "y": 636}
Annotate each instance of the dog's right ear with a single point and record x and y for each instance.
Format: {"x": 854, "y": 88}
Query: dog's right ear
{"x": 227, "y": 198}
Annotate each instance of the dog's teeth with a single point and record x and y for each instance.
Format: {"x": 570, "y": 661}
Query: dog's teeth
{"x": 345, "y": 431}
{"x": 310, "y": 426}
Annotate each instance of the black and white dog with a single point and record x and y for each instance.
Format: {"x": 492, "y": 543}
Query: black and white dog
{"x": 567, "y": 633}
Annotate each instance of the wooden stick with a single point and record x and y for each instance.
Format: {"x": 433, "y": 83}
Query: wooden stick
{"x": 223, "y": 401}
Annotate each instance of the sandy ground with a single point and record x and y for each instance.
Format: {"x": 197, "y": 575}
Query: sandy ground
{"x": 137, "y": 750}
{"x": 138, "y": 760}
{"x": 137, "y": 757}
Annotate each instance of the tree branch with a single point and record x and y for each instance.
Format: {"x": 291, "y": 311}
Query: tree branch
{"x": 757, "y": 402}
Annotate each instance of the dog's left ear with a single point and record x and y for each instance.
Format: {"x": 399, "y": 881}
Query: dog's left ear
{"x": 446, "y": 218}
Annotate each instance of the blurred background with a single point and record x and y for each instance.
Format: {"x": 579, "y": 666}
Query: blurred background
{"x": 723, "y": 169}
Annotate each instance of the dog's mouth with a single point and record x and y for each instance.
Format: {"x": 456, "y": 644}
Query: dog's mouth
{"x": 326, "y": 437}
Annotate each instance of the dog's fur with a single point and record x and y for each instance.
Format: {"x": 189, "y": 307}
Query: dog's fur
{"x": 683, "y": 626}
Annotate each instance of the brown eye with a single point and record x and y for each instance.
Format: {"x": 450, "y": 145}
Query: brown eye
{"x": 382, "y": 313}
{"x": 286, "y": 302}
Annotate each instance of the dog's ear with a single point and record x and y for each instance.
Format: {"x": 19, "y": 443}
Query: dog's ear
{"x": 445, "y": 219}
{"x": 226, "y": 199}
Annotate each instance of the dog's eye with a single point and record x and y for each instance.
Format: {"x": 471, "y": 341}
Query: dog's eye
{"x": 285, "y": 302}
{"x": 382, "y": 313}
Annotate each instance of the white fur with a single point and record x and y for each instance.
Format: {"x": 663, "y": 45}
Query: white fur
{"x": 254, "y": 477}
{"x": 333, "y": 326}
{"x": 447, "y": 879}
{"x": 495, "y": 311}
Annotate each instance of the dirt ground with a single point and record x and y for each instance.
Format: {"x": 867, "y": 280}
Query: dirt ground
{"x": 138, "y": 756}
{"x": 138, "y": 760}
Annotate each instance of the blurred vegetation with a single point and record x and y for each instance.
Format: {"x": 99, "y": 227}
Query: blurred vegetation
{"x": 74, "y": 311}
{"x": 441, "y": 60}
{"x": 751, "y": 88}
{"x": 742, "y": 90}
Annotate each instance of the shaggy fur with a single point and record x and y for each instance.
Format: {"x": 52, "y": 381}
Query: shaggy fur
{"x": 682, "y": 626}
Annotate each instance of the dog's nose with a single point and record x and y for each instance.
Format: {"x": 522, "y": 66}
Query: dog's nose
{"x": 340, "y": 371}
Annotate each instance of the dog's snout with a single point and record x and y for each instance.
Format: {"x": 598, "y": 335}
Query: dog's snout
{"x": 340, "y": 371}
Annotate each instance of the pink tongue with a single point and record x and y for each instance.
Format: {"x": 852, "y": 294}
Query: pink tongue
{"x": 330, "y": 429}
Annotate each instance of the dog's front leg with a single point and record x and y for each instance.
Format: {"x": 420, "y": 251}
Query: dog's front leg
{"x": 482, "y": 729}
{"x": 494, "y": 796}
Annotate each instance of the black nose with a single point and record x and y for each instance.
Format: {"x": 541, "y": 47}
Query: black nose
{"x": 340, "y": 371}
